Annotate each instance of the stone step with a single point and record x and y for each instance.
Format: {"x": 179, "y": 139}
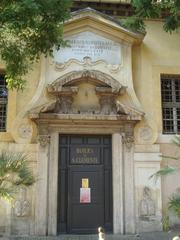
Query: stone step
{"x": 142, "y": 236}
{"x": 74, "y": 237}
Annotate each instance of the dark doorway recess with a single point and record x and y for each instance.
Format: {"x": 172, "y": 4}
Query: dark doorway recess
{"x": 84, "y": 184}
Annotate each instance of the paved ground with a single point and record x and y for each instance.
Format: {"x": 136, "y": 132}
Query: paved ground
{"x": 142, "y": 236}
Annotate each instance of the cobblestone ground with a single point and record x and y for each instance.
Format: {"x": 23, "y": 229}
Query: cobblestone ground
{"x": 142, "y": 236}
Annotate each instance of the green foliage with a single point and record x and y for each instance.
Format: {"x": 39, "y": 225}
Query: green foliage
{"x": 168, "y": 169}
{"x": 134, "y": 23}
{"x": 152, "y": 9}
{"x": 176, "y": 141}
{"x": 174, "y": 203}
{"x": 29, "y": 28}
{"x": 14, "y": 173}
{"x": 165, "y": 221}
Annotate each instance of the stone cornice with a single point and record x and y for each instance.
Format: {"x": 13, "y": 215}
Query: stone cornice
{"x": 99, "y": 20}
{"x": 54, "y": 117}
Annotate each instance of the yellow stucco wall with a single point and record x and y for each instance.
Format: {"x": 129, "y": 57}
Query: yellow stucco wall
{"x": 17, "y": 100}
{"x": 159, "y": 53}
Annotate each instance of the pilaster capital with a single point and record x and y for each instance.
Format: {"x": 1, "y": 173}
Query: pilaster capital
{"x": 128, "y": 141}
{"x": 44, "y": 140}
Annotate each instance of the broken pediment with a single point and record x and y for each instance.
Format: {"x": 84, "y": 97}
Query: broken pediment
{"x": 95, "y": 77}
{"x": 86, "y": 97}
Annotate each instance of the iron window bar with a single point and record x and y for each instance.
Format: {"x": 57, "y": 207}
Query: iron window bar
{"x": 170, "y": 93}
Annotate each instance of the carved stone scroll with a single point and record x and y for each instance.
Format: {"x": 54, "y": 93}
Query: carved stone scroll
{"x": 131, "y": 112}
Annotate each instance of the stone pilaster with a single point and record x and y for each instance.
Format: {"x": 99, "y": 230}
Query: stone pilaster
{"x": 129, "y": 194}
{"x": 117, "y": 162}
{"x": 41, "y": 209}
{"x": 53, "y": 185}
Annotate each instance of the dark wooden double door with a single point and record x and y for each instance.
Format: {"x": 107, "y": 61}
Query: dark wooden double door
{"x": 84, "y": 184}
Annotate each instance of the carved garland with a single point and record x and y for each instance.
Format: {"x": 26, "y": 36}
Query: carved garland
{"x": 87, "y": 62}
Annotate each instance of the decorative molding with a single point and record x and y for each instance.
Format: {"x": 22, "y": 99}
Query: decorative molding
{"x": 64, "y": 104}
{"x": 87, "y": 63}
{"x": 128, "y": 138}
{"x": 107, "y": 89}
{"x": 60, "y": 90}
{"x": 93, "y": 74}
{"x": 107, "y": 104}
{"x": 146, "y": 205}
{"x": 128, "y": 141}
{"x": 44, "y": 140}
{"x": 107, "y": 100}
{"x": 22, "y": 205}
{"x": 130, "y": 111}
{"x": 145, "y": 133}
{"x": 25, "y": 131}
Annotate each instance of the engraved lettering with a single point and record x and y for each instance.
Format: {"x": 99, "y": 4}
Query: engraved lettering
{"x": 84, "y": 150}
{"x": 88, "y": 44}
{"x": 84, "y": 155}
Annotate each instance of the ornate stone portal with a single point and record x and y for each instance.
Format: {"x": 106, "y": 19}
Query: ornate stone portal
{"x": 89, "y": 95}
{"x": 86, "y": 106}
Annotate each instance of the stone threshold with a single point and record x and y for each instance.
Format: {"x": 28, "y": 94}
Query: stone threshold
{"x": 142, "y": 236}
{"x": 73, "y": 237}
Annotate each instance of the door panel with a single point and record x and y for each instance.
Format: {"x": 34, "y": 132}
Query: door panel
{"x": 85, "y": 217}
{"x": 84, "y": 157}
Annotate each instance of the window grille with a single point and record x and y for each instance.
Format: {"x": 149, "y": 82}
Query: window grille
{"x": 3, "y": 103}
{"x": 170, "y": 93}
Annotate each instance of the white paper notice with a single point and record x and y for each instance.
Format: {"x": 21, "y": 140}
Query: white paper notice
{"x": 85, "y": 195}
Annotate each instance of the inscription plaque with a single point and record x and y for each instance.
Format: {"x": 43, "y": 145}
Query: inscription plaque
{"x": 84, "y": 155}
{"x": 89, "y": 44}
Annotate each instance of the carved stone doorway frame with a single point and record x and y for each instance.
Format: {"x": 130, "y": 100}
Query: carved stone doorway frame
{"x": 122, "y": 170}
{"x": 58, "y": 117}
